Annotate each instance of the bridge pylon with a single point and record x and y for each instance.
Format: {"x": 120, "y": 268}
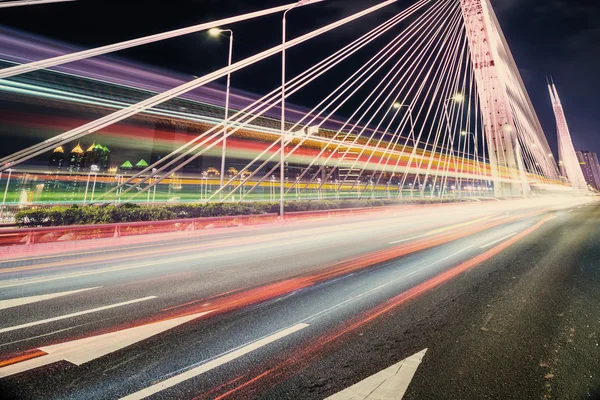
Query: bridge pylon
{"x": 505, "y": 155}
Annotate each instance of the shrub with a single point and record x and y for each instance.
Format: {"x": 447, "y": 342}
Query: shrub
{"x": 88, "y": 215}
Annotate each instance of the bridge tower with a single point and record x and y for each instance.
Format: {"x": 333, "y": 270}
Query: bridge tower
{"x": 569, "y": 163}
{"x": 504, "y": 151}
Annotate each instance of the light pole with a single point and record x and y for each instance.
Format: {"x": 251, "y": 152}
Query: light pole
{"x": 215, "y": 32}
{"x": 87, "y": 185}
{"x": 397, "y": 106}
{"x": 457, "y": 98}
{"x": 10, "y": 170}
{"x": 282, "y": 149}
{"x": 94, "y": 169}
{"x": 203, "y": 185}
{"x": 154, "y": 189}
{"x": 272, "y": 187}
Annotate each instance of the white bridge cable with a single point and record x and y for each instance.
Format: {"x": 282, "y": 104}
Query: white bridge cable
{"x": 374, "y": 61}
{"x": 459, "y": 123}
{"x": 448, "y": 90}
{"x": 410, "y": 107}
{"x": 346, "y": 86}
{"x": 386, "y": 79}
{"x": 115, "y": 117}
{"x": 405, "y": 79}
{"x": 253, "y": 111}
{"x": 410, "y": 33}
{"x": 389, "y": 80}
{"x": 85, "y": 54}
{"x": 433, "y": 93}
{"x": 270, "y": 100}
{"x": 21, "y": 3}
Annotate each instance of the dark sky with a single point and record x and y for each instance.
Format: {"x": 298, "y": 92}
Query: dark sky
{"x": 548, "y": 37}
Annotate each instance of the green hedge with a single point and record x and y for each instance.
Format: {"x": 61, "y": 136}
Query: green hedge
{"x": 89, "y": 215}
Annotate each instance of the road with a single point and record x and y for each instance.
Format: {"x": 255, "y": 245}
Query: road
{"x": 503, "y": 296}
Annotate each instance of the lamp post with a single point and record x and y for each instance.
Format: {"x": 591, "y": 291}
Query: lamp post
{"x": 10, "y": 170}
{"x": 475, "y": 144}
{"x": 272, "y": 187}
{"x": 457, "y": 98}
{"x": 283, "y": 81}
{"x": 215, "y": 32}
{"x": 397, "y": 106}
{"x": 203, "y": 184}
{"x": 154, "y": 189}
{"x": 87, "y": 185}
{"x": 94, "y": 169}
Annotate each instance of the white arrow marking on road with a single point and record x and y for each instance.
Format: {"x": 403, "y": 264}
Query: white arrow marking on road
{"x": 192, "y": 373}
{"x": 4, "y": 304}
{"x": 76, "y": 314}
{"x": 389, "y": 384}
{"x": 85, "y": 350}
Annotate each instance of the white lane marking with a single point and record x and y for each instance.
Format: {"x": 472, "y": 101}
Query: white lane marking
{"x": 192, "y": 373}
{"x": 570, "y": 211}
{"x": 442, "y": 230}
{"x": 389, "y": 384}
{"x": 76, "y": 314}
{"x": 81, "y": 351}
{"x": 485, "y": 246}
{"x": 4, "y": 304}
{"x": 355, "y": 298}
{"x": 579, "y": 207}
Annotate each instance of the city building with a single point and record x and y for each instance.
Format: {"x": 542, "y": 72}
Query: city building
{"x": 57, "y": 159}
{"x": 76, "y": 159}
{"x": 98, "y": 155}
{"x": 590, "y": 168}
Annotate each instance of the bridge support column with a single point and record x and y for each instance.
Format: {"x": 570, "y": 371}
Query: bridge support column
{"x": 505, "y": 157}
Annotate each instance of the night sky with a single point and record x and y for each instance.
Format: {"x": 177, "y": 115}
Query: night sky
{"x": 548, "y": 37}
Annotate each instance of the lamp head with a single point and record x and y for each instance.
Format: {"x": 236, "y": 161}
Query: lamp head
{"x": 458, "y": 97}
{"x": 214, "y": 32}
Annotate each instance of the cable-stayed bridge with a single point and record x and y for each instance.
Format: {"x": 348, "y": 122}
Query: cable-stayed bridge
{"x": 437, "y": 109}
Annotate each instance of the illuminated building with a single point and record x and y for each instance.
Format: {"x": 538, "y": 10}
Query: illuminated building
{"x": 57, "y": 159}
{"x": 76, "y": 159}
{"x": 98, "y": 155}
{"x": 590, "y": 167}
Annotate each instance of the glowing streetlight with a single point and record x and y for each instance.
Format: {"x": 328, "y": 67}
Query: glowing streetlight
{"x": 216, "y": 32}
{"x": 458, "y": 97}
{"x": 397, "y": 105}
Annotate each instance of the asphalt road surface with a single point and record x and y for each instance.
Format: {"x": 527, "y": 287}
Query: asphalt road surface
{"x": 498, "y": 300}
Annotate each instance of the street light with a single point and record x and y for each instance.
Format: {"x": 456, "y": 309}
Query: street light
{"x": 215, "y": 32}
{"x": 282, "y": 148}
{"x": 93, "y": 168}
{"x": 10, "y": 170}
{"x": 457, "y": 98}
{"x": 154, "y": 189}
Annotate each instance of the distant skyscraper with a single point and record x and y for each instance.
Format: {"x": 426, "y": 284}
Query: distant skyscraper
{"x": 590, "y": 167}
{"x": 98, "y": 155}
{"x": 76, "y": 159}
{"x": 57, "y": 158}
